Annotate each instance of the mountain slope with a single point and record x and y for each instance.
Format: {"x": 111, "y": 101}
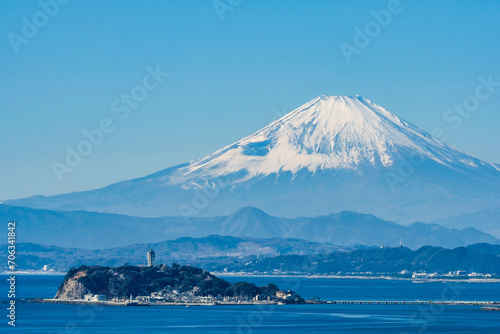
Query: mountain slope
{"x": 328, "y": 133}
{"x": 474, "y": 258}
{"x": 351, "y": 228}
{"x": 98, "y": 230}
{"x": 485, "y": 220}
{"x": 266, "y": 255}
{"x": 182, "y": 250}
{"x": 334, "y": 153}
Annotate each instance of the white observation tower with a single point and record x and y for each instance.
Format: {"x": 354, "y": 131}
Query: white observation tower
{"x": 151, "y": 258}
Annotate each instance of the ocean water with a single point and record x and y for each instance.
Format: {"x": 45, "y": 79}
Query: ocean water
{"x": 52, "y": 318}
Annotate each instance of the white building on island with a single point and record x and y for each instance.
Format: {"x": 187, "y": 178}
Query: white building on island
{"x": 151, "y": 258}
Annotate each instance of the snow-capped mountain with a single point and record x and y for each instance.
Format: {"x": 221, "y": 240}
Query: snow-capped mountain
{"x": 328, "y": 133}
{"x": 333, "y": 153}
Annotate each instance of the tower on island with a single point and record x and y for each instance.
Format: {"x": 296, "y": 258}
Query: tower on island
{"x": 151, "y": 258}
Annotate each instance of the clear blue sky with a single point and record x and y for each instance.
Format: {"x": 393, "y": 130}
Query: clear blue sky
{"x": 227, "y": 78}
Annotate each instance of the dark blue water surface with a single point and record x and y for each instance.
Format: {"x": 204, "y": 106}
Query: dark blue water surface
{"x": 52, "y": 318}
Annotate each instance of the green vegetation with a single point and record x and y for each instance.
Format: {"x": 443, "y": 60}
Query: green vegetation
{"x": 124, "y": 281}
{"x": 479, "y": 258}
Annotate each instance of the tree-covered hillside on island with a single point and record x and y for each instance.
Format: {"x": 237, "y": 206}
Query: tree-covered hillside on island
{"x": 121, "y": 282}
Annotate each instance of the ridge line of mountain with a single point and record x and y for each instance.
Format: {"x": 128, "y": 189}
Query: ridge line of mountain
{"x": 220, "y": 253}
{"x": 94, "y": 230}
{"x": 331, "y": 154}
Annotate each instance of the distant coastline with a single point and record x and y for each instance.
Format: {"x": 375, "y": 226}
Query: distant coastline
{"x": 33, "y": 272}
{"x": 360, "y": 277}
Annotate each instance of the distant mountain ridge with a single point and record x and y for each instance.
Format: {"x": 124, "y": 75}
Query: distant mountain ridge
{"x": 478, "y": 258}
{"x": 487, "y": 220}
{"x": 334, "y": 153}
{"x": 98, "y": 230}
{"x": 182, "y": 250}
{"x": 220, "y": 253}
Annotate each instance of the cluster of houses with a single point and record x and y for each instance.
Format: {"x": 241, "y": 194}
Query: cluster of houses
{"x": 456, "y": 274}
{"x": 174, "y": 296}
{"x": 169, "y": 295}
{"x": 94, "y": 298}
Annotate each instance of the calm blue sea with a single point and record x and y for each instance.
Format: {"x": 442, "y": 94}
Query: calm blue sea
{"x": 48, "y": 318}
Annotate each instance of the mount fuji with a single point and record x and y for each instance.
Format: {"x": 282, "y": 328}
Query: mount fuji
{"x": 333, "y": 153}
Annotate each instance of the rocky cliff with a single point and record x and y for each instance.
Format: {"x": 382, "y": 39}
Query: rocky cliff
{"x": 139, "y": 281}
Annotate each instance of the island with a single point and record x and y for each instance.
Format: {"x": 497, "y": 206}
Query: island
{"x": 162, "y": 285}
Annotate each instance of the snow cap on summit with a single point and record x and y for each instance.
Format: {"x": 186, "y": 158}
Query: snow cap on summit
{"x": 333, "y": 153}
{"x": 328, "y": 132}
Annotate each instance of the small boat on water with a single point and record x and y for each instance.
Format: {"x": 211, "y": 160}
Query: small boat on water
{"x": 137, "y": 304}
{"x": 131, "y": 302}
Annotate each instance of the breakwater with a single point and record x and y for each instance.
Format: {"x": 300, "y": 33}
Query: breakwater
{"x": 489, "y": 305}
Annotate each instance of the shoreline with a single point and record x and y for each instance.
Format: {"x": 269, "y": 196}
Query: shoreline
{"x": 360, "y": 277}
{"x": 20, "y": 273}
{"x": 340, "y": 277}
{"x": 117, "y": 303}
{"x": 490, "y": 305}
